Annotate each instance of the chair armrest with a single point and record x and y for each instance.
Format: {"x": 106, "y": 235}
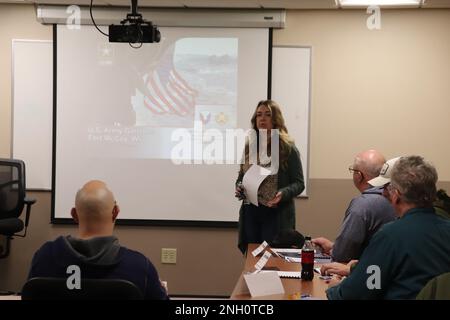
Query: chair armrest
{"x": 29, "y": 202}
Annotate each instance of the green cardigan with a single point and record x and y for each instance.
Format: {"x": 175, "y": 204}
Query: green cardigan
{"x": 291, "y": 183}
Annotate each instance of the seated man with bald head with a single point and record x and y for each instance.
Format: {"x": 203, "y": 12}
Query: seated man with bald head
{"x": 365, "y": 214}
{"x": 95, "y": 250}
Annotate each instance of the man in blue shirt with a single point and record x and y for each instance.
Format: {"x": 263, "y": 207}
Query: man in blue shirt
{"x": 365, "y": 214}
{"x": 405, "y": 254}
{"x": 95, "y": 250}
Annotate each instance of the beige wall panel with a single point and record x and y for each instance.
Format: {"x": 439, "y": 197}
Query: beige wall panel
{"x": 386, "y": 89}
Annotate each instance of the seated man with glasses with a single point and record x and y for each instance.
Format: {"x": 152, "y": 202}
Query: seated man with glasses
{"x": 404, "y": 254}
{"x": 365, "y": 213}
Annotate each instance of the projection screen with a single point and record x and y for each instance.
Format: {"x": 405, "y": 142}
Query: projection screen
{"x": 127, "y": 116}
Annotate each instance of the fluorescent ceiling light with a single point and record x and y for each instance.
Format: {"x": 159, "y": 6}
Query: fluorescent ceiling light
{"x": 349, "y": 3}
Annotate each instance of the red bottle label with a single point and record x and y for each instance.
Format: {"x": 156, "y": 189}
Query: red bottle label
{"x": 308, "y": 256}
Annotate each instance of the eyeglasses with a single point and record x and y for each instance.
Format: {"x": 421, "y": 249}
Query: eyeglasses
{"x": 352, "y": 170}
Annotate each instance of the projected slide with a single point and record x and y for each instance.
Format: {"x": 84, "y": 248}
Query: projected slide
{"x": 186, "y": 80}
{"x": 193, "y": 79}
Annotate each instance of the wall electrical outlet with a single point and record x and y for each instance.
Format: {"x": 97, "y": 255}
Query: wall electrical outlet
{"x": 169, "y": 255}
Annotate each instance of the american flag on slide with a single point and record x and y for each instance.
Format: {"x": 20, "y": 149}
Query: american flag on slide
{"x": 168, "y": 92}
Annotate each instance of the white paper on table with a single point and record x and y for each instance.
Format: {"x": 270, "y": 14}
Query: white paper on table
{"x": 264, "y": 283}
{"x": 251, "y": 181}
{"x": 294, "y": 255}
{"x": 289, "y": 274}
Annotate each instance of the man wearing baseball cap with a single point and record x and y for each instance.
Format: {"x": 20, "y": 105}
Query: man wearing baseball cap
{"x": 365, "y": 214}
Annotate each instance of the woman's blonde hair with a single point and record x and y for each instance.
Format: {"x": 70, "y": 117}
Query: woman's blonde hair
{"x": 277, "y": 123}
{"x": 277, "y": 119}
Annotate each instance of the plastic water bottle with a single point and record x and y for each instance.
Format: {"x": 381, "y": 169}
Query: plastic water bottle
{"x": 308, "y": 260}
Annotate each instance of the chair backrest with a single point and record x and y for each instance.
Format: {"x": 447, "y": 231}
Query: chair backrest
{"x": 91, "y": 289}
{"x": 442, "y": 204}
{"x": 12, "y": 188}
{"x": 437, "y": 288}
{"x": 12, "y": 201}
{"x": 288, "y": 239}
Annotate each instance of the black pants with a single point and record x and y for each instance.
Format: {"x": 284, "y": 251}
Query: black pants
{"x": 260, "y": 223}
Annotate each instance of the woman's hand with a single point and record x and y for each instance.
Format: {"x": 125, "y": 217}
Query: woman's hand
{"x": 239, "y": 192}
{"x": 274, "y": 202}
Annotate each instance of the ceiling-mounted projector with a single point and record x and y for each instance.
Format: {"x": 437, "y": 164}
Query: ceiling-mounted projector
{"x": 134, "y": 29}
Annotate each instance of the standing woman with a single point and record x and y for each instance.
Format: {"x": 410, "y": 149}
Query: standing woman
{"x": 276, "y": 210}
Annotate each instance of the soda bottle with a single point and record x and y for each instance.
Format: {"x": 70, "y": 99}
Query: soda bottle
{"x": 308, "y": 260}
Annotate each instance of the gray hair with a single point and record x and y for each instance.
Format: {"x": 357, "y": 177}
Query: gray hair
{"x": 416, "y": 180}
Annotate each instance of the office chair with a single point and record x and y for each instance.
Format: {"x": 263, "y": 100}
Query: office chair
{"x": 91, "y": 289}
{"x": 289, "y": 238}
{"x": 12, "y": 201}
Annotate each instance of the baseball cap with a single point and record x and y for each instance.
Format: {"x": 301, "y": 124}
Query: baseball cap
{"x": 385, "y": 173}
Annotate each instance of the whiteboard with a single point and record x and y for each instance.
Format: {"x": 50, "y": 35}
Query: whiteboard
{"x": 291, "y": 88}
{"x": 32, "y": 109}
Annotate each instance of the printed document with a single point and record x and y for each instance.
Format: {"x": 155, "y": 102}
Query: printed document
{"x": 253, "y": 178}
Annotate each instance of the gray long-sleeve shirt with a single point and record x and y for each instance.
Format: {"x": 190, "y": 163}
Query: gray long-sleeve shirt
{"x": 364, "y": 216}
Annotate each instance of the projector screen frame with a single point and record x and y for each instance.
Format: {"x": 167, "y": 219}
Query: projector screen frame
{"x": 135, "y": 222}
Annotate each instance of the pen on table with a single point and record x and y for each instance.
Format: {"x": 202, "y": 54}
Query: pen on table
{"x": 289, "y": 259}
{"x": 276, "y": 253}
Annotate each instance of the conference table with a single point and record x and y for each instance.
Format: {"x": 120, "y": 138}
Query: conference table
{"x": 294, "y": 288}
